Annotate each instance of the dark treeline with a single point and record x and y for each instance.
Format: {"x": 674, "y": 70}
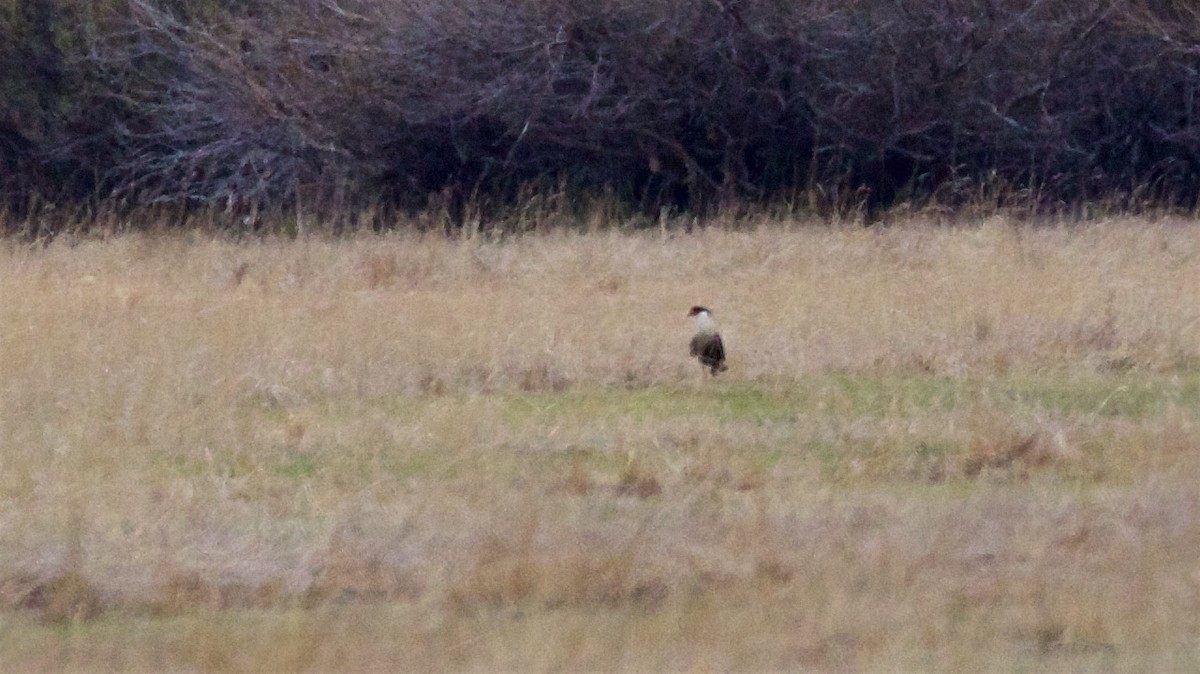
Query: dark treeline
{"x": 345, "y": 107}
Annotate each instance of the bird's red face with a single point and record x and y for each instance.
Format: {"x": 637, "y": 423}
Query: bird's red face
{"x": 696, "y": 310}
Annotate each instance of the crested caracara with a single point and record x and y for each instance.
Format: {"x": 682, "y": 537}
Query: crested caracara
{"x": 706, "y": 344}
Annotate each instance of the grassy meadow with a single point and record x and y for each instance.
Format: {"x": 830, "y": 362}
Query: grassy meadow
{"x": 936, "y": 448}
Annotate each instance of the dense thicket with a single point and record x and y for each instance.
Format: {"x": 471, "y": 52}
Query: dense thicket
{"x": 336, "y": 106}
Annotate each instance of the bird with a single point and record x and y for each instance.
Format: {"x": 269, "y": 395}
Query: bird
{"x": 706, "y": 344}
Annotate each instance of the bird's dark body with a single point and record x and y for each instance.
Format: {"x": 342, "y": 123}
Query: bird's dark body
{"x": 710, "y": 350}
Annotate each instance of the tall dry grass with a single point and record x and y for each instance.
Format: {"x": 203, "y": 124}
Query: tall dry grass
{"x": 936, "y": 448}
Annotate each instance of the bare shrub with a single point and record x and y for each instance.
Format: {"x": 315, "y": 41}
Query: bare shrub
{"x": 471, "y": 108}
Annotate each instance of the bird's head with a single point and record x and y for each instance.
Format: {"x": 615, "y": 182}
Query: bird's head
{"x": 703, "y": 319}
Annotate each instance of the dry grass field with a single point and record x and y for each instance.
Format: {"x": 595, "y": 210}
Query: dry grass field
{"x": 936, "y": 448}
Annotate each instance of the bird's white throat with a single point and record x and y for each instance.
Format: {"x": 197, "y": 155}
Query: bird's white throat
{"x": 704, "y": 323}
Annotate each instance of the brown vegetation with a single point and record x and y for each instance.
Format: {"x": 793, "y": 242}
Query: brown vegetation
{"x": 936, "y": 448}
{"x": 497, "y": 111}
